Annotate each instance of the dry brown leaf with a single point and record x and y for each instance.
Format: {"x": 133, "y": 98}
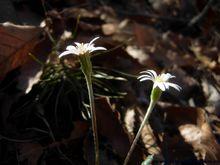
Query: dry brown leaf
{"x": 131, "y": 119}
{"x": 195, "y": 131}
{"x": 109, "y": 28}
{"x": 110, "y": 127}
{"x": 163, "y": 48}
{"x": 15, "y": 44}
{"x": 145, "y": 35}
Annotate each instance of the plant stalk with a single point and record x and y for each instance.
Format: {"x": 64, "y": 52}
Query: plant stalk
{"x": 86, "y": 67}
{"x": 93, "y": 116}
{"x": 146, "y": 117}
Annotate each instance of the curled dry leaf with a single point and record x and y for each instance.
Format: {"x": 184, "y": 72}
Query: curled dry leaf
{"x": 194, "y": 130}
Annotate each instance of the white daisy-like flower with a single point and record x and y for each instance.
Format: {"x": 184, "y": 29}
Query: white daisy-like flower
{"x": 161, "y": 81}
{"x": 81, "y": 48}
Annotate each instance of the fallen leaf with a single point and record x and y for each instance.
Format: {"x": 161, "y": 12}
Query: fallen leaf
{"x": 194, "y": 130}
{"x": 110, "y": 127}
{"x": 16, "y": 42}
{"x": 109, "y": 28}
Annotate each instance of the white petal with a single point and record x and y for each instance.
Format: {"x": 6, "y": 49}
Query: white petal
{"x": 166, "y": 76}
{"x": 99, "y": 48}
{"x": 177, "y": 87}
{"x": 86, "y": 45}
{"x": 65, "y": 53}
{"x": 70, "y": 47}
{"x": 77, "y": 52}
{"x": 172, "y": 76}
{"x": 145, "y": 78}
{"x": 155, "y": 85}
{"x": 147, "y": 72}
{"x": 166, "y": 85}
{"x": 92, "y": 45}
{"x": 161, "y": 86}
{"x": 93, "y": 40}
{"x": 145, "y": 75}
{"x": 152, "y": 72}
{"x": 78, "y": 44}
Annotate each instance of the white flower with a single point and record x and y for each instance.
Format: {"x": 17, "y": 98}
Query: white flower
{"x": 81, "y": 48}
{"x": 160, "y": 81}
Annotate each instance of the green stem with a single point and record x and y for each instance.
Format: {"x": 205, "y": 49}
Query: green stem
{"x": 146, "y": 117}
{"x": 86, "y": 67}
{"x": 93, "y": 114}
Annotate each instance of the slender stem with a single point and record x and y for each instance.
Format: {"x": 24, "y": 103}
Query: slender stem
{"x": 146, "y": 117}
{"x": 93, "y": 114}
{"x": 86, "y": 67}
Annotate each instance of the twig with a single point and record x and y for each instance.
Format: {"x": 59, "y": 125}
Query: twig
{"x": 201, "y": 15}
{"x": 15, "y": 140}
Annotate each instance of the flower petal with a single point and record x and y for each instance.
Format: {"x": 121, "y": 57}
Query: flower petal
{"x": 147, "y": 73}
{"x": 65, "y": 53}
{"x": 70, "y": 48}
{"x": 175, "y": 86}
{"x": 160, "y": 81}
{"x": 93, "y": 40}
{"x": 166, "y": 76}
{"x": 152, "y": 72}
{"x": 78, "y": 44}
{"x": 99, "y": 48}
{"x": 161, "y": 86}
{"x": 144, "y": 75}
{"x": 155, "y": 85}
{"x": 166, "y": 85}
{"x": 145, "y": 78}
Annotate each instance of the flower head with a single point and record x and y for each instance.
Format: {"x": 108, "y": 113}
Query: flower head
{"x": 161, "y": 81}
{"x": 81, "y": 48}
